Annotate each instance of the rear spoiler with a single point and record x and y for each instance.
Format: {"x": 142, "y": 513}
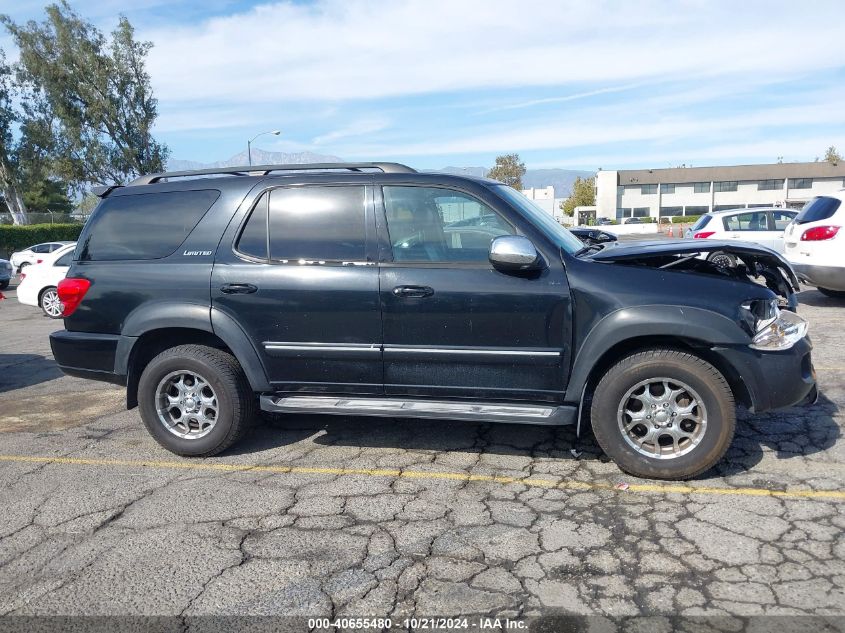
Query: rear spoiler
{"x": 101, "y": 191}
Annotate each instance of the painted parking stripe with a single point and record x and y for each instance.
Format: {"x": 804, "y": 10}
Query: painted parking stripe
{"x": 831, "y": 495}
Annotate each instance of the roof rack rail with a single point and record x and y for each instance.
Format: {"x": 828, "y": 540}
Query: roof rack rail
{"x": 264, "y": 170}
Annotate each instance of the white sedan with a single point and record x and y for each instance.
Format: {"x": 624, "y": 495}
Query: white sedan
{"x": 31, "y": 255}
{"x": 39, "y": 281}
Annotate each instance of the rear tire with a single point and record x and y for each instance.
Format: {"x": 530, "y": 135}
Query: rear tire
{"x": 50, "y": 304}
{"x": 835, "y": 294}
{"x": 195, "y": 400}
{"x": 688, "y": 428}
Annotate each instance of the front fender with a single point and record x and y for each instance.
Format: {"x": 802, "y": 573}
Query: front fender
{"x": 662, "y": 321}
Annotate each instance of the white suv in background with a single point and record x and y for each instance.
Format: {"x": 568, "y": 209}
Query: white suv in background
{"x": 764, "y": 226}
{"x": 815, "y": 244}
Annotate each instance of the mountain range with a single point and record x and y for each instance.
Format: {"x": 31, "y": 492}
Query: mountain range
{"x": 560, "y": 179}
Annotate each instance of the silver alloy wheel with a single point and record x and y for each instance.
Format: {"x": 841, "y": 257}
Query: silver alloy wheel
{"x": 662, "y": 418}
{"x": 51, "y": 304}
{"x": 186, "y": 404}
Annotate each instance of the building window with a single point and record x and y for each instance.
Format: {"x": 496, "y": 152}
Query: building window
{"x": 725, "y": 185}
{"x": 801, "y": 183}
{"x": 701, "y": 187}
{"x": 642, "y": 212}
{"x": 670, "y": 211}
{"x": 696, "y": 210}
{"x": 669, "y": 188}
{"x": 620, "y": 191}
{"x": 647, "y": 189}
{"x": 623, "y": 213}
{"x": 770, "y": 185}
{"x": 727, "y": 207}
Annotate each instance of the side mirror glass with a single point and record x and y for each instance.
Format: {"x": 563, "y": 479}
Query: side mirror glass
{"x": 514, "y": 253}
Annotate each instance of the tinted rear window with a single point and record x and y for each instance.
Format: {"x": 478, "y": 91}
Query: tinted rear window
{"x": 817, "y": 209}
{"x": 143, "y": 226}
{"x": 702, "y": 222}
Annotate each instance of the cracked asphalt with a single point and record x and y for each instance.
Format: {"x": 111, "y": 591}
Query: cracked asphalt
{"x": 325, "y": 516}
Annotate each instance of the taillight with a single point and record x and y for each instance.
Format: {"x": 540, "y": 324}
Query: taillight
{"x": 71, "y": 291}
{"x": 819, "y": 233}
{"x": 21, "y": 276}
{"x": 703, "y": 235}
{"x": 38, "y": 261}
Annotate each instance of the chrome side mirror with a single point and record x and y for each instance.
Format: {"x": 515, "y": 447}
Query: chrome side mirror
{"x": 514, "y": 253}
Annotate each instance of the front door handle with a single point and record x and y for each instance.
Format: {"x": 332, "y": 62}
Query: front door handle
{"x": 413, "y": 291}
{"x": 238, "y": 289}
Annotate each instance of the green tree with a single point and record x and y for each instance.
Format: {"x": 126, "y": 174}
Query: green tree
{"x": 509, "y": 170}
{"x": 583, "y": 195}
{"x": 832, "y": 156}
{"x": 90, "y": 105}
{"x": 10, "y": 188}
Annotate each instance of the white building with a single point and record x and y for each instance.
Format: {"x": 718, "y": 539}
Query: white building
{"x": 545, "y": 199}
{"x": 696, "y": 190}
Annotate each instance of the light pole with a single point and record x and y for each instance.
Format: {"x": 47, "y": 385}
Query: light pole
{"x": 249, "y": 142}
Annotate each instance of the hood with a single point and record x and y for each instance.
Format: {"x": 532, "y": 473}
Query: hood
{"x": 754, "y": 260}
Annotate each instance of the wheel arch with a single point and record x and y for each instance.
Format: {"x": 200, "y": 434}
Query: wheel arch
{"x": 154, "y": 341}
{"x": 628, "y": 331}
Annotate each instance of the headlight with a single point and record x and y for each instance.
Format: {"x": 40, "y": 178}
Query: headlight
{"x": 774, "y": 330}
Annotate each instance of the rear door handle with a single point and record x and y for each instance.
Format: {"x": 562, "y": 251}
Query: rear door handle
{"x": 413, "y": 291}
{"x": 238, "y": 289}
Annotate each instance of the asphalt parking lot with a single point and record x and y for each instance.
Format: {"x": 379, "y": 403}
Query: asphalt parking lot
{"x": 331, "y": 517}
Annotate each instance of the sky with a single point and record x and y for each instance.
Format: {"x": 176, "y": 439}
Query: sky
{"x": 577, "y": 84}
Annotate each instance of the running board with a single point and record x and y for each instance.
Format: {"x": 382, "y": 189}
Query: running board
{"x": 437, "y": 409}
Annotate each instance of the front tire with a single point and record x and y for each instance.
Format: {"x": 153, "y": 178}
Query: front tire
{"x": 50, "y": 303}
{"x": 195, "y": 400}
{"x": 663, "y": 414}
{"x": 835, "y": 294}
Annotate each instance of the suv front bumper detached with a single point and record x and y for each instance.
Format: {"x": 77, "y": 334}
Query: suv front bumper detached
{"x": 774, "y": 379}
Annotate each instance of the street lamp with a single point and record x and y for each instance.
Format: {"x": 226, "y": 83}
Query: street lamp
{"x": 249, "y": 142}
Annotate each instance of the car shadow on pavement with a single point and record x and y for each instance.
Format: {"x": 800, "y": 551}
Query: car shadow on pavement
{"x": 796, "y": 432}
{"x": 24, "y": 370}
{"x": 816, "y": 299}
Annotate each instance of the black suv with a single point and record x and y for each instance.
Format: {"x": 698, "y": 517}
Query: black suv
{"x": 372, "y": 289}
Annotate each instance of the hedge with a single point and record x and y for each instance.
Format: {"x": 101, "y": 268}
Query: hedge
{"x": 685, "y": 219}
{"x": 15, "y": 238}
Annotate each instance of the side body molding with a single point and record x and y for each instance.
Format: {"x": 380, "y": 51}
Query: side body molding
{"x": 649, "y": 320}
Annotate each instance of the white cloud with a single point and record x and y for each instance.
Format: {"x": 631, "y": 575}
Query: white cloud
{"x": 336, "y": 50}
{"x": 353, "y": 130}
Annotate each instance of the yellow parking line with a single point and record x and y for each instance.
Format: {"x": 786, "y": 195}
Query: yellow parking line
{"x": 834, "y": 495}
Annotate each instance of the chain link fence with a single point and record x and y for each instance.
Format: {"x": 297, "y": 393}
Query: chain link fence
{"x": 49, "y": 218}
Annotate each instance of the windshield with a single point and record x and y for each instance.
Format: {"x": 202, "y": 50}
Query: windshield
{"x": 542, "y": 220}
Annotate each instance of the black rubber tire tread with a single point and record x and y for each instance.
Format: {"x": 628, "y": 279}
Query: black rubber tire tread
{"x": 835, "y": 294}
{"x": 710, "y": 385}
{"x": 216, "y": 366}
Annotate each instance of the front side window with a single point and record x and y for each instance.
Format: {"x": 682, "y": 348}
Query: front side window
{"x": 755, "y": 221}
{"x": 431, "y": 224}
